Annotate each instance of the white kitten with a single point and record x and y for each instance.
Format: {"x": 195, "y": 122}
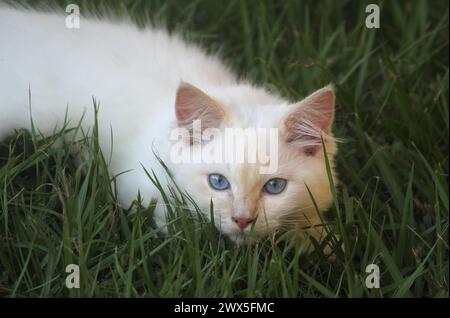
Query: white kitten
{"x": 140, "y": 78}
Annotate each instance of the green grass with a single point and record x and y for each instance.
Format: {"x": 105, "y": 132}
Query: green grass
{"x": 391, "y": 204}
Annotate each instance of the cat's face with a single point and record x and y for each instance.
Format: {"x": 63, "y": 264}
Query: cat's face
{"x": 245, "y": 199}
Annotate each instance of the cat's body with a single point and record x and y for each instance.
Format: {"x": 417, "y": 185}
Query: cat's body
{"x": 135, "y": 76}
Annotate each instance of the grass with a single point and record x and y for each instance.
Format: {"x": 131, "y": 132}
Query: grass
{"x": 391, "y": 205}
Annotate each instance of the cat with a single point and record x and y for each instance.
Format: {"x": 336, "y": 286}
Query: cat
{"x": 149, "y": 82}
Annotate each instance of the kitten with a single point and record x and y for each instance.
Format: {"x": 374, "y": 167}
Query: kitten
{"x": 148, "y": 83}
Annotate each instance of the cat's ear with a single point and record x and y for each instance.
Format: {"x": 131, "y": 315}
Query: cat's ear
{"x": 311, "y": 119}
{"x": 193, "y": 104}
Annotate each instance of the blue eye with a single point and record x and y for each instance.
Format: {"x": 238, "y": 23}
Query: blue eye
{"x": 275, "y": 185}
{"x": 218, "y": 182}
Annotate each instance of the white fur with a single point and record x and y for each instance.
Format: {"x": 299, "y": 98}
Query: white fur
{"x": 134, "y": 74}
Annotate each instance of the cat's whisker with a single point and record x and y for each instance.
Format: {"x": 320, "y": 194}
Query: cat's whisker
{"x": 294, "y": 211}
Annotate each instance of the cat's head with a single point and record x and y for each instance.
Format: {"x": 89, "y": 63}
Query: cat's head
{"x": 245, "y": 196}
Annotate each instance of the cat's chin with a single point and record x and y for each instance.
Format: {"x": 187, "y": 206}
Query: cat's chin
{"x": 240, "y": 238}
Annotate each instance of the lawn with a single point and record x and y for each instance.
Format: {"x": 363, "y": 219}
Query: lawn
{"x": 391, "y": 204}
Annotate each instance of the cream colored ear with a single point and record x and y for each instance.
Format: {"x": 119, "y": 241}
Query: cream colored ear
{"x": 193, "y": 104}
{"x": 311, "y": 119}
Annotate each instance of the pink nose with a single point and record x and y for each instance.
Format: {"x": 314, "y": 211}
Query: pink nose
{"x": 242, "y": 222}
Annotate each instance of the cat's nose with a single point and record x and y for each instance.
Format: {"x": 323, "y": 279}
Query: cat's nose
{"x": 242, "y": 222}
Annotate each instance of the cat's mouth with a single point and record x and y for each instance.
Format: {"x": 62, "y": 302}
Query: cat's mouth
{"x": 240, "y": 237}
